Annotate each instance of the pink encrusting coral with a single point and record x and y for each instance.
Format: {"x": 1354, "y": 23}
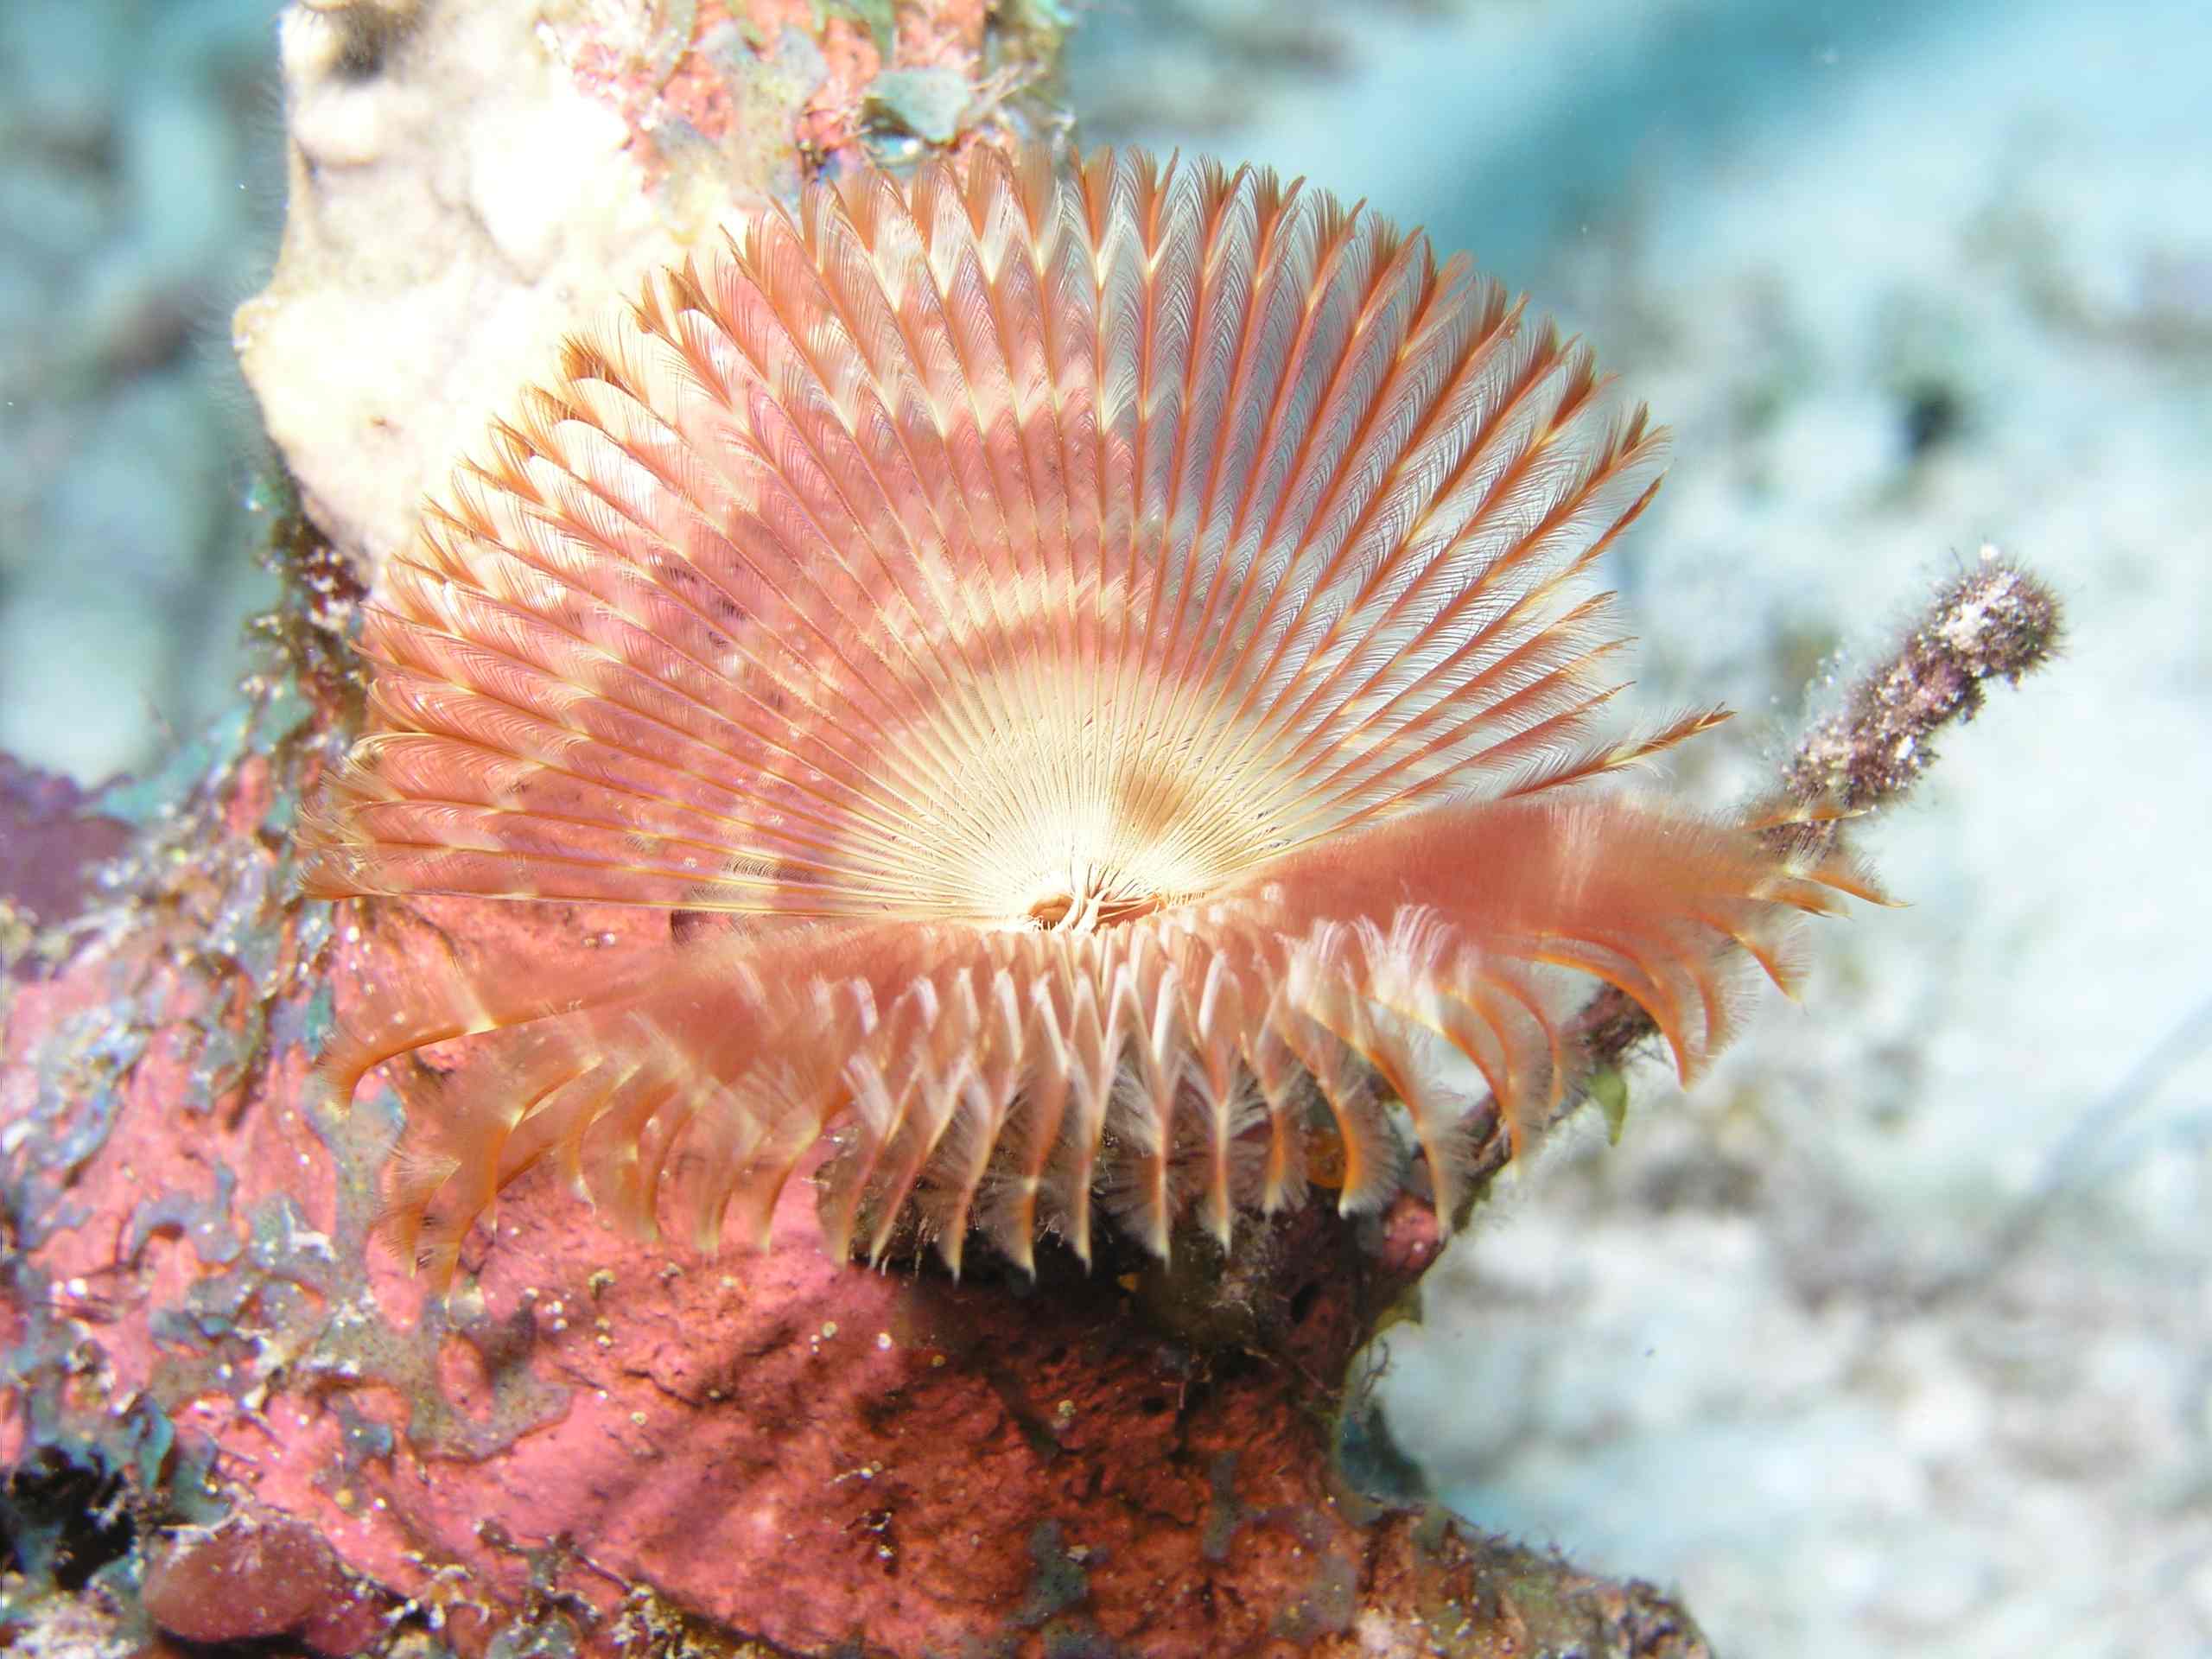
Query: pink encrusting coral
{"x": 1113, "y": 640}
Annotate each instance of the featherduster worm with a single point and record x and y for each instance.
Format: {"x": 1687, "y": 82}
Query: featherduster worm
{"x": 1113, "y": 636}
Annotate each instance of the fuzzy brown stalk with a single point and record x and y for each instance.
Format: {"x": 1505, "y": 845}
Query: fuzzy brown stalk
{"x": 1997, "y": 621}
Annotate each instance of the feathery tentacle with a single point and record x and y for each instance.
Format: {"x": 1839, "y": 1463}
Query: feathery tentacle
{"x": 1120, "y": 632}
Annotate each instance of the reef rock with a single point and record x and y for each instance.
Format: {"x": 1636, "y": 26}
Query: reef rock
{"x": 467, "y": 183}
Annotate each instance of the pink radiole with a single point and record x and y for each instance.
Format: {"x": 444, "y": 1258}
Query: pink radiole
{"x": 1107, "y": 649}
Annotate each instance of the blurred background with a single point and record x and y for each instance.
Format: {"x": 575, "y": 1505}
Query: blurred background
{"x": 1895, "y": 1335}
{"x": 141, "y": 195}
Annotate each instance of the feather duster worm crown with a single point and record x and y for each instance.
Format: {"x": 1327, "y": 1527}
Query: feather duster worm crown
{"x": 1116, "y": 632}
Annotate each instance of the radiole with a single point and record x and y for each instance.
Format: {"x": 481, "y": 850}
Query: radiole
{"x": 1121, "y": 633}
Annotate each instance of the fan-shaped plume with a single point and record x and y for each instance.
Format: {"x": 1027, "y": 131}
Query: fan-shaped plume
{"x": 1119, "y": 630}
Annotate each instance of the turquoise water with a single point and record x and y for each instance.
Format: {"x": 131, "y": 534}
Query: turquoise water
{"x": 140, "y": 199}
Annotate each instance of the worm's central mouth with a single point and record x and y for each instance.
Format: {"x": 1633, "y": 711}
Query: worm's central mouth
{"x": 1092, "y": 907}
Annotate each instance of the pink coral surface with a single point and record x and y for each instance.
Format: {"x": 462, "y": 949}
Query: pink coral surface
{"x": 777, "y": 1447}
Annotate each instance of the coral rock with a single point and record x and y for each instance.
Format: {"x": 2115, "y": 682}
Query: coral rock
{"x": 468, "y": 181}
{"x": 246, "y": 1578}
